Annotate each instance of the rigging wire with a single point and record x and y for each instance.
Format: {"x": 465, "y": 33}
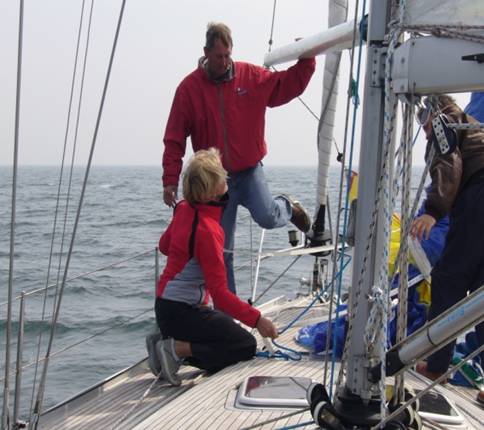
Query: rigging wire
{"x": 56, "y": 211}
{"x": 60, "y": 351}
{"x": 277, "y": 279}
{"x": 340, "y": 196}
{"x": 429, "y": 387}
{"x": 74, "y": 148}
{"x": 270, "y": 43}
{"x": 272, "y": 24}
{"x": 292, "y": 354}
{"x": 384, "y": 202}
{"x": 6, "y": 391}
{"x": 38, "y": 406}
{"x": 381, "y": 195}
{"x": 85, "y": 274}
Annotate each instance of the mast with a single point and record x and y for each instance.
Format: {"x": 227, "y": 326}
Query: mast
{"x": 411, "y": 74}
{"x": 357, "y": 385}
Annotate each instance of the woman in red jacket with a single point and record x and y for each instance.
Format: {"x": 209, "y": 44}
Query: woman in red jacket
{"x": 207, "y": 338}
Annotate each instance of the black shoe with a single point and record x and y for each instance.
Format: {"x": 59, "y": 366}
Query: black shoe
{"x": 300, "y": 217}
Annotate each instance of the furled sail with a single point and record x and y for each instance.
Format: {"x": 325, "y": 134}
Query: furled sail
{"x": 337, "y": 14}
{"x": 445, "y": 13}
{"x": 339, "y": 36}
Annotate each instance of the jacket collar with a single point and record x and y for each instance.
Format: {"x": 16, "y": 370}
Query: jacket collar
{"x": 226, "y": 77}
{"x": 213, "y": 209}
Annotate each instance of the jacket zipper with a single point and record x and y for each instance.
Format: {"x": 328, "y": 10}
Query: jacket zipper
{"x": 224, "y": 128}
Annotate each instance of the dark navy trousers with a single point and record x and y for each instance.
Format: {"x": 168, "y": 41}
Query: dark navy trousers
{"x": 461, "y": 267}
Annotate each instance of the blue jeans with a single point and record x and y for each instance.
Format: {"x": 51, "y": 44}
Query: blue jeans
{"x": 249, "y": 188}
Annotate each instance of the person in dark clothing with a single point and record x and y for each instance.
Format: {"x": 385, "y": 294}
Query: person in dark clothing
{"x": 475, "y": 108}
{"x": 195, "y": 270}
{"x": 457, "y": 189}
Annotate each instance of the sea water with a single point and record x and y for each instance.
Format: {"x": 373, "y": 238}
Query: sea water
{"x": 121, "y": 220}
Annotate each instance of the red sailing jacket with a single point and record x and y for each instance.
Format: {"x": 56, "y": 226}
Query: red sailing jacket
{"x": 229, "y": 115}
{"x": 194, "y": 243}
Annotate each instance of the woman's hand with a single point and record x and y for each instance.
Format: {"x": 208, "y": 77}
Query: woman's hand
{"x": 422, "y": 225}
{"x": 266, "y": 328}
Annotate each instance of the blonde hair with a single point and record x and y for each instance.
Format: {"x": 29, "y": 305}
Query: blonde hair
{"x": 203, "y": 174}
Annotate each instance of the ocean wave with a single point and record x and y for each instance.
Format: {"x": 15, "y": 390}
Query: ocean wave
{"x": 158, "y": 222}
{"x": 36, "y": 325}
{"x": 135, "y": 294}
{"x": 143, "y": 325}
{"x": 88, "y": 325}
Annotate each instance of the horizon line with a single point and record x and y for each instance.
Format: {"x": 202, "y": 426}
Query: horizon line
{"x": 159, "y": 166}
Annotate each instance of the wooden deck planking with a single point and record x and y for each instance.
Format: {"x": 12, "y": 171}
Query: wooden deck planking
{"x": 215, "y": 391}
{"x": 207, "y": 402}
{"x": 210, "y": 410}
{"x": 108, "y": 406}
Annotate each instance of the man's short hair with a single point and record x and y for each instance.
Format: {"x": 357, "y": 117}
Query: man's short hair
{"x": 440, "y": 101}
{"x": 219, "y": 31}
{"x": 203, "y": 174}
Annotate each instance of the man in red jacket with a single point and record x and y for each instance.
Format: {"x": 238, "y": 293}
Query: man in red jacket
{"x": 222, "y": 104}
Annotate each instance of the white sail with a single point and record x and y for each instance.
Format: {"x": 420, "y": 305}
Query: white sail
{"x": 444, "y": 12}
{"x": 337, "y": 14}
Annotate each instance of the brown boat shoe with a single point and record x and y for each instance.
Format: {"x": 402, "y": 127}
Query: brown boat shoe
{"x": 480, "y": 398}
{"x": 300, "y": 217}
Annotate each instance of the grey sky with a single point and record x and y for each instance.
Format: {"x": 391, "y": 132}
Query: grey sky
{"x": 160, "y": 43}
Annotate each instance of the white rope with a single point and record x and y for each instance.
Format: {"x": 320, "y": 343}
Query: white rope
{"x": 449, "y": 31}
{"x": 405, "y": 226}
{"x": 417, "y": 198}
{"x": 469, "y": 126}
{"x": 387, "y": 205}
{"x": 374, "y": 322}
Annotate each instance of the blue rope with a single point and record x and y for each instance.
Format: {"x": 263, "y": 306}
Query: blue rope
{"x": 353, "y": 92}
{"x": 318, "y": 296}
{"x": 345, "y": 220}
{"x": 292, "y": 354}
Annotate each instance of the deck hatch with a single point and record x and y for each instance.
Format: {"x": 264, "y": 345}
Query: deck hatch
{"x": 273, "y": 392}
